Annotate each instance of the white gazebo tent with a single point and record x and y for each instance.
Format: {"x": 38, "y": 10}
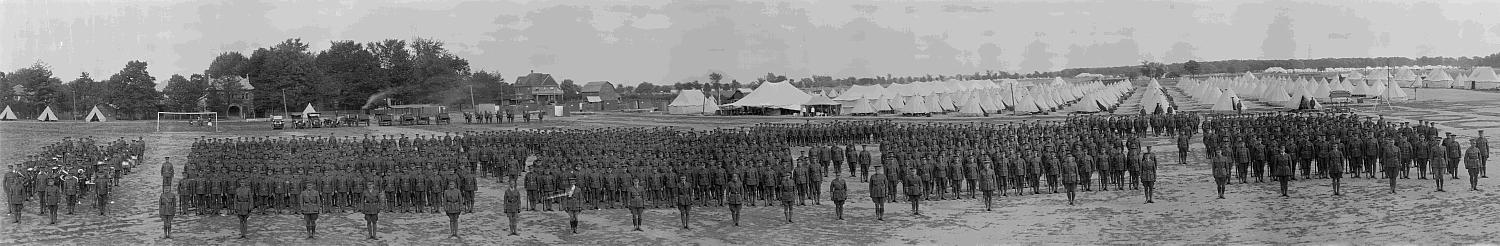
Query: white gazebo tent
{"x": 692, "y": 102}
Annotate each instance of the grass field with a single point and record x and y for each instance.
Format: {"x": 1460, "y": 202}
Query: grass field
{"x": 1185, "y": 212}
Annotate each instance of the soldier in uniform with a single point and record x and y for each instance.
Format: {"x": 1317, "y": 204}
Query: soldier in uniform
{"x": 453, "y": 205}
{"x": 986, "y": 183}
{"x": 166, "y": 208}
{"x": 243, "y": 203}
{"x": 573, "y": 204}
{"x": 1148, "y": 174}
{"x": 1391, "y": 162}
{"x": 1455, "y": 153}
{"x": 1483, "y": 144}
{"x": 533, "y": 185}
{"x": 637, "y": 203}
{"x": 101, "y": 191}
{"x": 1221, "y": 166}
{"x": 803, "y": 189}
{"x": 788, "y": 195}
{"x": 1473, "y": 164}
{"x": 733, "y": 197}
{"x": 51, "y": 197}
{"x": 14, "y": 184}
{"x": 1281, "y": 167}
{"x": 512, "y": 204}
{"x": 70, "y": 189}
{"x": 1335, "y": 166}
{"x": 914, "y": 190}
{"x": 312, "y": 204}
{"x": 1420, "y": 155}
{"x": 865, "y": 159}
{"x": 684, "y": 198}
{"x": 167, "y": 172}
{"x": 1439, "y": 162}
{"x": 1068, "y": 170}
{"x": 1183, "y": 146}
{"x": 1241, "y": 161}
{"x": 372, "y": 202}
{"x": 838, "y": 192}
{"x": 878, "y": 193}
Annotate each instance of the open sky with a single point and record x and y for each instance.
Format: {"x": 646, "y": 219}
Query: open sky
{"x": 674, "y": 40}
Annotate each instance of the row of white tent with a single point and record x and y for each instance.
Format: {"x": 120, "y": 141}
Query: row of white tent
{"x": 1284, "y": 92}
{"x": 1435, "y": 76}
{"x": 965, "y": 97}
{"x": 47, "y": 115}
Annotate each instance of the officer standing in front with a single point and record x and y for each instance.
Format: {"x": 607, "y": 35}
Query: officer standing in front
{"x": 512, "y": 204}
{"x": 733, "y": 197}
{"x": 637, "y": 204}
{"x": 373, "y": 202}
{"x": 167, "y": 208}
{"x": 878, "y": 193}
{"x": 838, "y": 192}
{"x": 453, "y": 205}
{"x": 242, "y": 205}
{"x": 913, "y": 190}
{"x": 312, "y": 202}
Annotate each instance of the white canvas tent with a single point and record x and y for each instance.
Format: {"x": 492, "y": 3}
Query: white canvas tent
{"x": 8, "y": 115}
{"x": 1484, "y": 78}
{"x": 309, "y": 109}
{"x": 1393, "y": 92}
{"x": 691, "y": 102}
{"x": 1228, "y": 101}
{"x": 1437, "y": 78}
{"x": 862, "y": 106}
{"x": 47, "y": 115}
{"x": 973, "y": 108}
{"x": 95, "y": 115}
{"x": 774, "y": 95}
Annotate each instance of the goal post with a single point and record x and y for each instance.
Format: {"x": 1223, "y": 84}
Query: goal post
{"x": 187, "y": 120}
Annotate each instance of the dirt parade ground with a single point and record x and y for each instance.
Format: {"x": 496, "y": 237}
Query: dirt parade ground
{"x": 1185, "y": 211}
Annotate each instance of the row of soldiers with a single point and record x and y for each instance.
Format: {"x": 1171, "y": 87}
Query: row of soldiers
{"x": 490, "y": 117}
{"x": 949, "y": 162}
{"x": 1328, "y": 146}
{"x": 412, "y": 179}
{"x": 66, "y": 173}
{"x": 1249, "y": 141}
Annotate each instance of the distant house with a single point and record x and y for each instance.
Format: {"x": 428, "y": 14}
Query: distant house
{"x": 536, "y": 87}
{"x": 237, "y": 102}
{"x": 599, "y": 91}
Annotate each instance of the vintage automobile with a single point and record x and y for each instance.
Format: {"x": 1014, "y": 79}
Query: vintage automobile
{"x": 278, "y": 122}
{"x": 315, "y": 120}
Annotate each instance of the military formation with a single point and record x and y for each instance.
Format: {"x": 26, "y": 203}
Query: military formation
{"x": 1332, "y": 146}
{"x": 784, "y": 166}
{"x": 70, "y": 173}
{"x": 315, "y": 175}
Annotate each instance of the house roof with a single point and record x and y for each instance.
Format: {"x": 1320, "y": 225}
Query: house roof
{"x": 536, "y": 79}
{"x": 596, "y": 86}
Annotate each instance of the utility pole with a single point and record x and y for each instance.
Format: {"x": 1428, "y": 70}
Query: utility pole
{"x": 471, "y": 98}
{"x": 285, "y": 112}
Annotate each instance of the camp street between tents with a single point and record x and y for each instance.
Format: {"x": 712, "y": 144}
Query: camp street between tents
{"x": 1185, "y": 212}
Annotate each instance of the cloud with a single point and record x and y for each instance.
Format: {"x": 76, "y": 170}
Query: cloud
{"x": 965, "y": 9}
